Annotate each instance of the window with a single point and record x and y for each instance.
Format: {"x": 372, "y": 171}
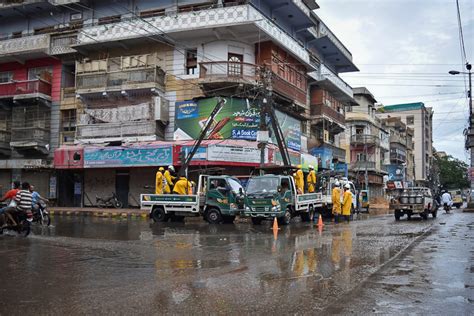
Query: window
{"x": 6, "y": 76}
{"x": 68, "y": 120}
{"x": 234, "y": 67}
{"x": 16, "y": 34}
{"x": 109, "y": 19}
{"x": 410, "y": 120}
{"x": 361, "y": 157}
{"x": 44, "y": 73}
{"x": 191, "y": 62}
{"x": 151, "y": 13}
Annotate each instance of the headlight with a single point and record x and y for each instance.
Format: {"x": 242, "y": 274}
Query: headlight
{"x": 247, "y": 209}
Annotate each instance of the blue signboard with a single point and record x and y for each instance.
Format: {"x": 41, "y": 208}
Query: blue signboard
{"x": 127, "y": 157}
{"x": 341, "y": 168}
{"x": 396, "y": 172}
{"x": 324, "y": 154}
{"x": 186, "y": 110}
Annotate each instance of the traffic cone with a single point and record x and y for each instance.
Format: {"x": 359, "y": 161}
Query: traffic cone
{"x": 275, "y": 224}
{"x": 320, "y": 221}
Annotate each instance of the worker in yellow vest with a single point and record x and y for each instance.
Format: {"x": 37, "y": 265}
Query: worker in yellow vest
{"x": 299, "y": 180}
{"x": 169, "y": 179}
{"x": 336, "y": 201}
{"x": 159, "y": 185}
{"x": 183, "y": 187}
{"x": 347, "y": 202}
{"x": 311, "y": 179}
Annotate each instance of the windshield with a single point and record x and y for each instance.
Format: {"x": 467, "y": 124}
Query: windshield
{"x": 262, "y": 185}
{"x": 234, "y": 185}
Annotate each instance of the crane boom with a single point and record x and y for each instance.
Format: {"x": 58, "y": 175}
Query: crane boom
{"x": 197, "y": 143}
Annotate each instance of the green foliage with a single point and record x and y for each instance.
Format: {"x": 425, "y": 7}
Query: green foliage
{"x": 452, "y": 172}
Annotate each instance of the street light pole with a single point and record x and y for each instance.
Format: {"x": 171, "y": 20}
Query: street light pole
{"x": 470, "y": 134}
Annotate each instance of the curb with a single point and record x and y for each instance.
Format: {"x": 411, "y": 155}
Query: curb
{"x": 124, "y": 215}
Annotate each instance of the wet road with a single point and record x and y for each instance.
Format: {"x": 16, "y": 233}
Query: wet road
{"x": 86, "y": 265}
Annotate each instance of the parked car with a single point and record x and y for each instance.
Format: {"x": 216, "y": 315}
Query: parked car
{"x": 418, "y": 200}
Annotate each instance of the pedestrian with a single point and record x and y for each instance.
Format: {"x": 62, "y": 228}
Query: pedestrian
{"x": 159, "y": 178}
{"x": 299, "y": 180}
{"x": 336, "y": 201}
{"x": 311, "y": 180}
{"x": 183, "y": 187}
{"x": 347, "y": 202}
{"x": 169, "y": 177}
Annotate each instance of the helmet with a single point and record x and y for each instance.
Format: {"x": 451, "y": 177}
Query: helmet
{"x": 347, "y": 186}
{"x": 337, "y": 184}
{"x": 193, "y": 183}
{"x": 298, "y": 166}
{"x": 311, "y": 167}
{"x": 161, "y": 169}
{"x": 170, "y": 168}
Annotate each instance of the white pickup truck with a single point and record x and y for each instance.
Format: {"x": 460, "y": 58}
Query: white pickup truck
{"x": 327, "y": 186}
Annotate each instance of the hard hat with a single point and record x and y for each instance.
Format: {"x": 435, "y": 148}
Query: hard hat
{"x": 337, "y": 184}
{"x": 347, "y": 186}
{"x": 310, "y": 167}
{"x": 170, "y": 167}
{"x": 298, "y": 166}
{"x": 161, "y": 169}
{"x": 193, "y": 183}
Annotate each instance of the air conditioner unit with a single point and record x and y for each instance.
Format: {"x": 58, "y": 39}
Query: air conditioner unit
{"x": 161, "y": 106}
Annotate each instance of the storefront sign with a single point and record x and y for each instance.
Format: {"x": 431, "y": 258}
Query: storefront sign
{"x": 127, "y": 157}
{"x": 291, "y": 129}
{"x": 325, "y": 156}
{"x": 396, "y": 172}
{"x": 233, "y": 154}
{"x": 200, "y": 155}
{"x": 341, "y": 168}
{"x": 186, "y": 110}
{"x": 307, "y": 160}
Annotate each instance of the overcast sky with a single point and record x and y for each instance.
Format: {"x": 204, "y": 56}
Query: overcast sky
{"x": 404, "y": 50}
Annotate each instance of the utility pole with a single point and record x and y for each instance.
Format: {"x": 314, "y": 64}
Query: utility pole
{"x": 263, "y": 133}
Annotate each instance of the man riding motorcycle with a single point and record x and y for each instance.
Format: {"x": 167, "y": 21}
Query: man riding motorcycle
{"x": 23, "y": 207}
{"x": 446, "y": 201}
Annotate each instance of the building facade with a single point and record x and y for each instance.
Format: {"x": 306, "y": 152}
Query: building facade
{"x": 368, "y": 143}
{"x": 118, "y": 89}
{"x": 420, "y": 119}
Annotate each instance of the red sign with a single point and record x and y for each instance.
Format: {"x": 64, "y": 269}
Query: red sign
{"x": 69, "y": 158}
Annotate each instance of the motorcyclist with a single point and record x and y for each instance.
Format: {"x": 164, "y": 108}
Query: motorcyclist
{"x": 23, "y": 204}
{"x": 36, "y": 198}
{"x": 446, "y": 199}
{"x": 10, "y": 195}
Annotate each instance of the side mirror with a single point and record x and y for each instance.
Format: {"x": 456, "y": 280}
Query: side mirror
{"x": 279, "y": 189}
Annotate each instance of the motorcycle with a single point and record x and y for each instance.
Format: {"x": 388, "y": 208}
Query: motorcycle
{"x": 23, "y": 226}
{"x": 111, "y": 201}
{"x": 41, "y": 215}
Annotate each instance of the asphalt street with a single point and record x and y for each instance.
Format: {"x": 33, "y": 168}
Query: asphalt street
{"x": 88, "y": 265}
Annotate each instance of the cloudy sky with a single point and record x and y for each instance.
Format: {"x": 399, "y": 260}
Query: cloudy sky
{"x": 404, "y": 50}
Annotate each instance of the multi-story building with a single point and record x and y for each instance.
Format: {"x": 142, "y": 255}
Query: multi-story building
{"x": 133, "y": 83}
{"x": 402, "y": 163}
{"x": 419, "y": 118}
{"x": 368, "y": 143}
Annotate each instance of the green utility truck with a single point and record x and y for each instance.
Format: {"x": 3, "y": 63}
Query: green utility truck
{"x": 270, "y": 196}
{"x": 218, "y": 199}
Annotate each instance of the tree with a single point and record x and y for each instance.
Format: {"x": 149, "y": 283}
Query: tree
{"x": 452, "y": 172}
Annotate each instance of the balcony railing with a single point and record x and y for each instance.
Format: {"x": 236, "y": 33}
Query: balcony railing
{"x": 33, "y": 134}
{"x": 398, "y": 157}
{"x": 123, "y": 129}
{"x": 327, "y": 74}
{"x": 124, "y": 79}
{"x": 365, "y": 139}
{"x": 62, "y": 44}
{"x": 288, "y": 90}
{"x": 397, "y": 139}
{"x": 362, "y": 165}
{"x": 15, "y": 88}
{"x": 228, "y": 71}
{"x": 324, "y": 110}
{"x": 27, "y": 44}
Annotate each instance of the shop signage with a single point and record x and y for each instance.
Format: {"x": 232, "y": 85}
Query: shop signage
{"x": 127, "y": 157}
{"x": 307, "y": 160}
{"x": 396, "y": 172}
{"x": 233, "y": 154}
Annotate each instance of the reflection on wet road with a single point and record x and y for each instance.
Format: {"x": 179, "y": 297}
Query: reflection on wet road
{"x": 97, "y": 265}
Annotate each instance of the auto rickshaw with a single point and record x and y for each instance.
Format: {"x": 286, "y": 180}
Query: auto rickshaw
{"x": 364, "y": 200}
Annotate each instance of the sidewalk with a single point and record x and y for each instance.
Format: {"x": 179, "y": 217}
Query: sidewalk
{"x": 98, "y": 212}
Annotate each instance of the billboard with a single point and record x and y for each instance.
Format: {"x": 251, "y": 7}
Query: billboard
{"x": 238, "y": 119}
{"x": 108, "y": 157}
{"x": 396, "y": 172}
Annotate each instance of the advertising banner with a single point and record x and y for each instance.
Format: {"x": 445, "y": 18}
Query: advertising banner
{"x": 307, "y": 160}
{"x": 200, "y": 155}
{"x": 325, "y": 156}
{"x": 234, "y": 154}
{"x": 127, "y": 157}
{"x": 396, "y": 172}
{"x": 237, "y": 119}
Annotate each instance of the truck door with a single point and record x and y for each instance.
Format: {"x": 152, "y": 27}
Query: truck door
{"x": 217, "y": 191}
{"x": 288, "y": 190}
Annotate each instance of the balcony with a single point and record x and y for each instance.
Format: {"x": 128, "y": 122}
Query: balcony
{"x": 329, "y": 150}
{"x": 394, "y": 138}
{"x": 289, "y": 91}
{"x": 19, "y": 48}
{"x": 106, "y": 132}
{"x": 29, "y": 139}
{"x": 61, "y": 45}
{"x": 26, "y": 89}
{"x": 334, "y": 84}
{"x": 365, "y": 139}
{"x": 125, "y": 78}
{"x": 221, "y": 74}
{"x": 5, "y": 137}
{"x": 327, "y": 112}
{"x": 362, "y": 166}
{"x": 241, "y": 20}
{"x": 68, "y": 98}
{"x": 397, "y": 158}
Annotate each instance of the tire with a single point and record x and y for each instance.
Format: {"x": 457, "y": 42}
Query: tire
{"x": 45, "y": 221}
{"x": 409, "y": 217}
{"x": 228, "y": 219}
{"x": 434, "y": 214}
{"x": 458, "y": 206}
{"x": 257, "y": 220}
{"x": 118, "y": 204}
{"x": 397, "y": 215}
{"x": 424, "y": 216}
{"x": 25, "y": 228}
{"x": 285, "y": 219}
{"x": 101, "y": 204}
{"x": 158, "y": 215}
{"x": 213, "y": 216}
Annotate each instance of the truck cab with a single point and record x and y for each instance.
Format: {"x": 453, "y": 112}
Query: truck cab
{"x": 410, "y": 201}
{"x": 271, "y": 196}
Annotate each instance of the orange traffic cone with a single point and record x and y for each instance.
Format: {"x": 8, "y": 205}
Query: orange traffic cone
{"x": 320, "y": 221}
{"x": 275, "y": 224}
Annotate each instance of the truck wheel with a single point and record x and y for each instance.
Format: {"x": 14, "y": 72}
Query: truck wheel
{"x": 257, "y": 220}
{"x": 308, "y": 216}
{"x": 158, "y": 214}
{"x": 424, "y": 215}
{"x": 285, "y": 219}
{"x": 458, "y": 205}
{"x": 228, "y": 219}
{"x": 397, "y": 215}
{"x": 434, "y": 213}
{"x": 213, "y": 216}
